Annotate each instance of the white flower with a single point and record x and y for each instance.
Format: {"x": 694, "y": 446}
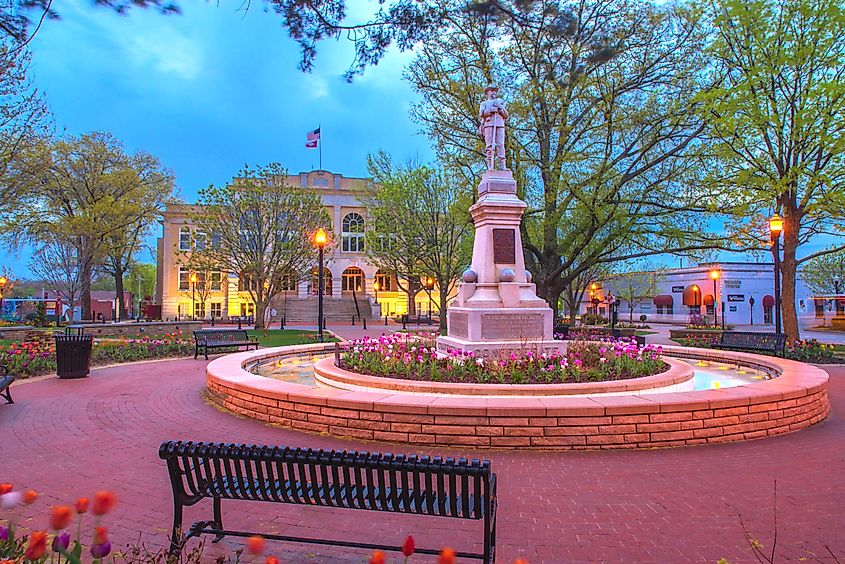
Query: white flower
{"x": 10, "y": 500}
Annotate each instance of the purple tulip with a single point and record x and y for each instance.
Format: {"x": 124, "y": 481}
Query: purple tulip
{"x": 101, "y": 550}
{"x": 61, "y": 542}
{"x": 4, "y": 534}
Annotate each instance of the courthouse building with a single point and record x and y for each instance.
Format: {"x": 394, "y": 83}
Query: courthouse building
{"x": 350, "y": 279}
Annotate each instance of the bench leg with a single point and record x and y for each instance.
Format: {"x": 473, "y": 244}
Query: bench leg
{"x": 196, "y": 351}
{"x": 176, "y": 540}
{"x": 218, "y": 519}
{"x": 7, "y": 393}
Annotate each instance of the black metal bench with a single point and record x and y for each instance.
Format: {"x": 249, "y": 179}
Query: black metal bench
{"x": 348, "y": 480}
{"x": 6, "y": 380}
{"x": 752, "y": 341}
{"x": 205, "y": 339}
{"x": 242, "y": 319}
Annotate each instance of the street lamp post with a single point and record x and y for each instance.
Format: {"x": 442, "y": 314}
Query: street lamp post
{"x": 320, "y": 239}
{"x": 3, "y": 282}
{"x": 775, "y": 228}
{"x": 429, "y": 286}
{"x": 714, "y": 276}
{"x": 193, "y": 296}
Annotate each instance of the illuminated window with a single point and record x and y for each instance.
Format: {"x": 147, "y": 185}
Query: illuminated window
{"x": 352, "y": 233}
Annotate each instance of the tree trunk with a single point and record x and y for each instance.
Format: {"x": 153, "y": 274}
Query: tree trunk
{"x": 788, "y": 269}
{"x": 120, "y": 307}
{"x": 550, "y": 291}
{"x": 85, "y": 289}
{"x": 261, "y": 305}
{"x": 630, "y": 312}
{"x": 412, "y": 305}
{"x": 444, "y": 294}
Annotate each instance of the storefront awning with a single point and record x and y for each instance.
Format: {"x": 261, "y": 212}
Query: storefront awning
{"x": 768, "y": 301}
{"x": 664, "y": 300}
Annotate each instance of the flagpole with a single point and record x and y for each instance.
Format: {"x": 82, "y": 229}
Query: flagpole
{"x": 320, "y": 141}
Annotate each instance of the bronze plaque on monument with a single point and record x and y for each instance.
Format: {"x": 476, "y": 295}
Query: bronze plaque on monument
{"x": 511, "y": 327}
{"x": 504, "y": 246}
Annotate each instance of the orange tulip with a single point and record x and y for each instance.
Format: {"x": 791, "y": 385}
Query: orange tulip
{"x": 255, "y": 545}
{"x": 82, "y": 505}
{"x": 103, "y": 502}
{"x": 37, "y": 545}
{"x": 60, "y": 517}
{"x": 7, "y": 562}
{"x": 5, "y": 488}
{"x": 100, "y": 535}
{"x": 378, "y": 557}
{"x": 29, "y": 497}
{"x": 271, "y": 560}
{"x": 447, "y": 556}
{"x": 520, "y": 561}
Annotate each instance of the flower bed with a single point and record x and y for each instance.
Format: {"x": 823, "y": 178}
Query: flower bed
{"x": 31, "y": 358}
{"x": 809, "y": 350}
{"x": 414, "y": 357}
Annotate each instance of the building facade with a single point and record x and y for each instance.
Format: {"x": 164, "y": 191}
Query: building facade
{"x": 742, "y": 292}
{"x": 354, "y": 284}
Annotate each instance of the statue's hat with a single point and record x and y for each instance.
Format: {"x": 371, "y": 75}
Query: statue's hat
{"x": 491, "y": 87}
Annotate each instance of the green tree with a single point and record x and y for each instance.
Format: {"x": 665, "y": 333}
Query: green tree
{"x": 146, "y": 273}
{"x": 261, "y": 228}
{"x": 90, "y": 193}
{"x": 427, "y": 211}
{"x": 825, "y": 274}
{"x": 636, "y": 285}
{"x": 777, "y": 123}
{"x": 603, "y": 137}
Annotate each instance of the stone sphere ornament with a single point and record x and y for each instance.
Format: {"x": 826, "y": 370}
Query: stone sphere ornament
{"x": 507, "y": 275}
{"x": 469, "y": 276}
{"x": 528, "y": 276}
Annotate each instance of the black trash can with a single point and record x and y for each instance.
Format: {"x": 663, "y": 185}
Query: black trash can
{"x": 73, "y": 355}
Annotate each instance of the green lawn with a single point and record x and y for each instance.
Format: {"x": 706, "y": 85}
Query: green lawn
{"x": 283, "y": 337}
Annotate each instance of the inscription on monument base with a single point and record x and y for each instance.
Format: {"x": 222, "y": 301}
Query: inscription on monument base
{"x": 459, "y": 324}
{"x": 504, "y": 246}
{"x": 510, "y": 326}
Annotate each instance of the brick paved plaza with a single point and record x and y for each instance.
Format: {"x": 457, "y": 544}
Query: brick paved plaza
{"x": 71, "y": 438}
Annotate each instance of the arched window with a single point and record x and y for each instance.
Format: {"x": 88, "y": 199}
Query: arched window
{"x": 352, "y": 233}
{"x": 184, "y": 239}
{"x": 352, "y": 280}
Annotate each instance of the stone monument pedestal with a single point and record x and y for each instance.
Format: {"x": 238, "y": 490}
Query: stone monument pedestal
{"x": 497, "y": 309}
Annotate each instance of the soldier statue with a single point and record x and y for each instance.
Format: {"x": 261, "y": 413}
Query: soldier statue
{"x": 492, "y": 128}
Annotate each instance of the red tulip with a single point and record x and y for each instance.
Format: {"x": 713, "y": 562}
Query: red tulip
{"x": 447, "y": 556}
{"x": 37, "y": 545}
{"x": 82, "y": 505}
{"x": 378, "y": 557}
{"x": 271, "y": 560}
{"x": 255, "y": 545}
{"x": 29, "y": 497}
{"x": 408, "y": 547}
{"x": 100, "y": 535}
{"x": 5, "y": 488}
{"x": 103, "y": 502}
{"x": 60, "y": 517}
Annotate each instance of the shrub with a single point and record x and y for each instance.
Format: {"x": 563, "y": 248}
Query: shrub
{"x": 593, "y": 319}
{"x": 809, "y": 351}
{"x": 643, "y": 318}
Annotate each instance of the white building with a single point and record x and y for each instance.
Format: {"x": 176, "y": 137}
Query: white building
{"x": 743, "y": 291}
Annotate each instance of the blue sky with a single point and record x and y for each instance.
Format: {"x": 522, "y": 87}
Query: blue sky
{"x": 215, "y": 88}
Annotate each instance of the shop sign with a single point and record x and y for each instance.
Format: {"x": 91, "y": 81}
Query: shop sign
{"x": 736, "y": 297}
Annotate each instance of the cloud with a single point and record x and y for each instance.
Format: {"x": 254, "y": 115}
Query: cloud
{"x": 167, "y": 51}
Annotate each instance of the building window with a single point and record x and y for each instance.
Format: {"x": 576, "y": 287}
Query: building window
{"x": 199, "y": 241}
{"x": 384, "y": 281}
{"x": 246, "y": 282}
{"x": 184, "y": 239}
{"x": 287, "y": 283}
{"x": 184, "y": 279}
{"x": 215, "y": 280}
{"x": 327, "y": 281}
{"x": 352, "y": 233}
{"x": 199, "y": 310}
{"x": 216, "y": 309}
{"x": 352, "y": 280}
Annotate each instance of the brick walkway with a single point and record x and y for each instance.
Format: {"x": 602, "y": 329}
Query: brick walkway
{"x": 70, "y": 438}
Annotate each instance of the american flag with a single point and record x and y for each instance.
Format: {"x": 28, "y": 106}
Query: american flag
{"x": 311, "y": 138}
